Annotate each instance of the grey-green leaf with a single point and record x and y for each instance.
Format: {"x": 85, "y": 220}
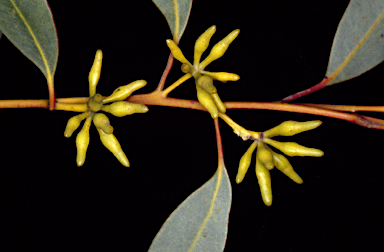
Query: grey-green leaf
{"x": 1, "y": 34}
{"x": 200, "y": 223}
{"x": 176, "y": 13}
{"x": 29, "y": 26}
{"x": 358, "y": 45}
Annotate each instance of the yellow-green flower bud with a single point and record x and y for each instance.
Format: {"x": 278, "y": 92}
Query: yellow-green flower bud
{"x": 96, "y": 102}
{"x": 82, "y": 142}
{"x": 244, "y": 163}
{"x": 74, "y": 123}
{"x": 220, "y": 105}
{"x": 265, "y": 156}
{"x": 94, "y": 74}
{"x": 123, "y": 108}
{"x": 176, "y": 52}
{"x": 102, "y": 122}
{"x": 264, "y": 179}
{"x": 293, "y": 149}
{"x": 219, "y": 49}
{"x": 285, "y": 167}
{"x": 206, "y": 100}
{"x": 202, "y": 44}
{"x": 111, "y": 143}
{"x": 222, "y": 76}
{"x": 206, "y": 83}
{"x": 123, "y": 92}
{"x": 185, "y": 68}
{"x": 290, "y": 128}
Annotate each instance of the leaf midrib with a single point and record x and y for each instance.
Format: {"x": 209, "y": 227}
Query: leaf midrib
{"x": 49, "y": 75}
{"x": 353, "y": 52}
{"x": 176, "y": 7}
{"x": 219, "y": 175}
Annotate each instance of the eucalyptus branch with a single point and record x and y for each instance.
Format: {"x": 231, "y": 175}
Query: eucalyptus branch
{"x": 29, "y": 26}
{"x": 348, "y": 108}
{"x": 157, "y": 98}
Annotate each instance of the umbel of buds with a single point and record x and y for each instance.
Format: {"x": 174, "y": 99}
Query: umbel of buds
{"x": 96, "y": 103}
{"x": 206, "y": 91}
{"x": 267, "y": 159}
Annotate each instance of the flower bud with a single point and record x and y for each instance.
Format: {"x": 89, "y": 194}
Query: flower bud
{"x": 219, "y": 104}
{"x": 102, "y": 122}
{"x": 96, "y": 102}
{"x": 94, "y": 74}
{"x": 265, "y": 156}
{"x": 264, "y": 179}
{"x": 111, "y": 143}
{"x": 206, "y": 100}
{"x": 176, "y": 52}
{"x": 82, "y": 142}
{"x": 206, "y": 83}
{"x": 244, "y": 163}
{"x": 290, "y": 128}
{"x": 222, "y": 76}
{"x": 219, "y": 49}
{"x": 293, "y": 149}
{"x": 123, "y": 92}
{"x": 185, "y": 68}
{"x": 285, "y": 167}
{"x": 202, "y": 44}
{"x": 74, "y": 123}
{"x": 123, "y": 108}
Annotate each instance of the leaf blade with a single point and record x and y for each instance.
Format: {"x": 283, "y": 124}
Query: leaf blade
{"x": 29, "y": 26}
{"x": 359, "y": 41}
{"x": 176, "y": 13}
{"x": 200, "y": 223}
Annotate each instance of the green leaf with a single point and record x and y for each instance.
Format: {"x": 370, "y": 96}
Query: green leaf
{"x": 1, "y": 34}
{"x": 200, "y": 223}
{"x": 29, "y": 26}
{"x": 359, "y": 41}
{"x": 176, "y": 13}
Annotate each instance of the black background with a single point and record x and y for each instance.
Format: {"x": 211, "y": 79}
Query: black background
{"x": 283, "y": 47}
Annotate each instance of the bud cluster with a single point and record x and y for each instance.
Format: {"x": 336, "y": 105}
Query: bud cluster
{"x": 267, "y": 159}
{"x": 94, "y": 105}
{"x": 206, "y": 91}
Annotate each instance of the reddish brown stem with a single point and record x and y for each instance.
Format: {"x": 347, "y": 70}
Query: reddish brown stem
{"x": 219, "y": 143}
{"x": 156, "y": 98}
{"x": 165, "y": 73}
{"x": 349, "y": 108}
{"x": 52, "y": 100}
{"x": 364, "y": 121}
{"x": 24, "y": 104}
{"x": 308, "y": 91}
